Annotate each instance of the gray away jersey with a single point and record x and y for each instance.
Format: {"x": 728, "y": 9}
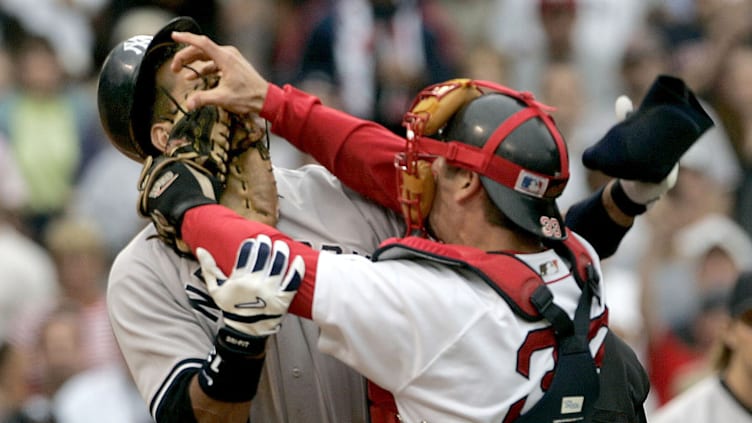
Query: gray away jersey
{"x": 165, "y": 322}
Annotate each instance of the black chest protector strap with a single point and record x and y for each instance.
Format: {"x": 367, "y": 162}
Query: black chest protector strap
{"x": 575, "y": 385}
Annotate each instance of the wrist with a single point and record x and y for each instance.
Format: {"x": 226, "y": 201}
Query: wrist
{"x": 624, "y": 202}
{"x": 236, "y": 343}
{"x": 232, "y": 371}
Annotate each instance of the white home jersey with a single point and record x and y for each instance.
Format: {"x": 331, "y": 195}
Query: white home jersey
{"x": 458, "y": 351}
{"x": 165, "y": 321}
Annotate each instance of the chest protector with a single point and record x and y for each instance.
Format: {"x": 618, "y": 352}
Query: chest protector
{"x": 575, "y": 385}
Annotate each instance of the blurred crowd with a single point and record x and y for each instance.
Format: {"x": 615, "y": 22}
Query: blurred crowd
{"x": 67, "y": 198}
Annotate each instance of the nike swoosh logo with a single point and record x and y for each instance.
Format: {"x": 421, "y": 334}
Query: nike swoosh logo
{"x": 259, "y": 303}
{"x": 162, "y": 184}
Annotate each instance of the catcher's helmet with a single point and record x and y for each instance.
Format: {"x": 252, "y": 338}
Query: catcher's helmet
{"x": 532, "y": 151}
{"x": 125, "y": 92}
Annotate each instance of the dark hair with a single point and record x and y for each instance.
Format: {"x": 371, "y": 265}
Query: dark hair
{"x": 158, "y": 103}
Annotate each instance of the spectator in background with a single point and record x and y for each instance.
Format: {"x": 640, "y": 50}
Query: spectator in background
{"x": 726, "y": 395}
{"x": 93, "y": 198}
{"x": 735, "y": 107}
{"x": 563, "y": 87}
{"x": 72, "y": 391}
{"x": 78, "y": 392}
{"x": 27, "y": 273}
{"x": 205, "y": 12}
{"x": 711, "y": 163}
{"x": 481, "y": 61}
{"x": 683, "y": 291}
{"x": 645, "y": 56}
{"x": 592, "y": 35}
{"x": 49, "y": 123}
{"x": 378, "y": 53}
{"x": 648, "y": 55}
{"x": 82, "y": 262}
{"x": 13, "y": 388}
{"x": 67, "y": 26}
{"x": 701, "y": 40}
{"x": 6, "y": 67}
{"x": 59, "y": 351}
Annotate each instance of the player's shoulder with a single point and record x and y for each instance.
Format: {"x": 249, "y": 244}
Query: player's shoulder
{"x": 312, "y": 184}
{"x": 306, "y": 174}
{"x": 137, "y": 248}
{"x": 584, "y": 242}
{"x": 696, "y": 400}
{"x": 144, "y": 259}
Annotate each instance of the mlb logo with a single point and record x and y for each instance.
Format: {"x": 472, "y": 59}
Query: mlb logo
{"x": 531, "y": 184}
{"x": 549, "y": 268}
{"x": 572, "y": 404}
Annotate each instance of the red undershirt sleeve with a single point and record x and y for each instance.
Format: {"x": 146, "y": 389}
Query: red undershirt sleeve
{"x": 221, "y": 231}
{"x": 358, "y": 152}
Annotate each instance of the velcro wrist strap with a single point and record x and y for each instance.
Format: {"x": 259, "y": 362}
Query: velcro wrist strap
{"x": 624, "y": 203}
{"x": 233, "y": 369}
{"x": 232, "y": 341}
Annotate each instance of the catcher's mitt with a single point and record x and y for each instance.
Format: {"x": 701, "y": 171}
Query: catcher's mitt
{"x": 230, "y": 148}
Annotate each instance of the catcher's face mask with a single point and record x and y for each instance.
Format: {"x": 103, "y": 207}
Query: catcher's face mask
{"x": 430, "y": 112}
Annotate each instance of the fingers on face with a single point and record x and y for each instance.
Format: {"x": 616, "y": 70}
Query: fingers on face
{"x": 199, "y": 47}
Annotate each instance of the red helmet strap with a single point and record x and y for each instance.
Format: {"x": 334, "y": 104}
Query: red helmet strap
{"x": 492, "y": 166}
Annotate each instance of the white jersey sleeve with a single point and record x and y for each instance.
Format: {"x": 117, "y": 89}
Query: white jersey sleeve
{"x": 165, "y": 321}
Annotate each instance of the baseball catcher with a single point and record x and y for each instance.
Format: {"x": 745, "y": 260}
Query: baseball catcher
{"x": 230, "y": 147}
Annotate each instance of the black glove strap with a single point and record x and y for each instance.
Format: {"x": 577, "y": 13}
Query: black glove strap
{"x": 233, "y": 369}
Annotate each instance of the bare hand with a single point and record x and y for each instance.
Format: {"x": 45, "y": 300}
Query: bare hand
{"x": 241, "y": 88}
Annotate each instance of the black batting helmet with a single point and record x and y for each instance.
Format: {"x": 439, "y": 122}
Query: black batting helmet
{"x": 534, "y": 166}
{"x": 125, "y": 92}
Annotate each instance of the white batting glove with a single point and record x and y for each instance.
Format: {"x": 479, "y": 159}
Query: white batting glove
{"x": 647, "y": 192}
{"x": 257, "y": 294}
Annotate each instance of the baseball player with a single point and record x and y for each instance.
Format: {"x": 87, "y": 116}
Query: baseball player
{"x": 166, "y": 321}
{"x": 723, "y": 395}
{"x": 438, "y": 324}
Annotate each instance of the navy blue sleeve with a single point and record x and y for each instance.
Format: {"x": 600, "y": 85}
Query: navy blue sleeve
{"x": 589, "y": 219}
{"x": 176, "y": 405}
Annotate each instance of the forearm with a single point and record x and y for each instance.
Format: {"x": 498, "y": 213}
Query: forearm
{"x": 221, "y": 231}
{"x": 359, "y": 152}
{"x": 600, "y": 221}
{"x": 186, "y": 402}
{"x": 222, "y": 390}
{"x": 209, "y": 410}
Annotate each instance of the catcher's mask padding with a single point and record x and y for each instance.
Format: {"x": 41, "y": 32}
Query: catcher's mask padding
{"x": 125, "y": 91}
{"x": 531, "y": 201}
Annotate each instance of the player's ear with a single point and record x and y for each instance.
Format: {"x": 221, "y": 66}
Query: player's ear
{"x": 468, "y": 184}
{"x": 160, "y": 134}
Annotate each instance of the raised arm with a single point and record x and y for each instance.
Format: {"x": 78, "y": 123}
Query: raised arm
{"x": 361, "y": 153}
